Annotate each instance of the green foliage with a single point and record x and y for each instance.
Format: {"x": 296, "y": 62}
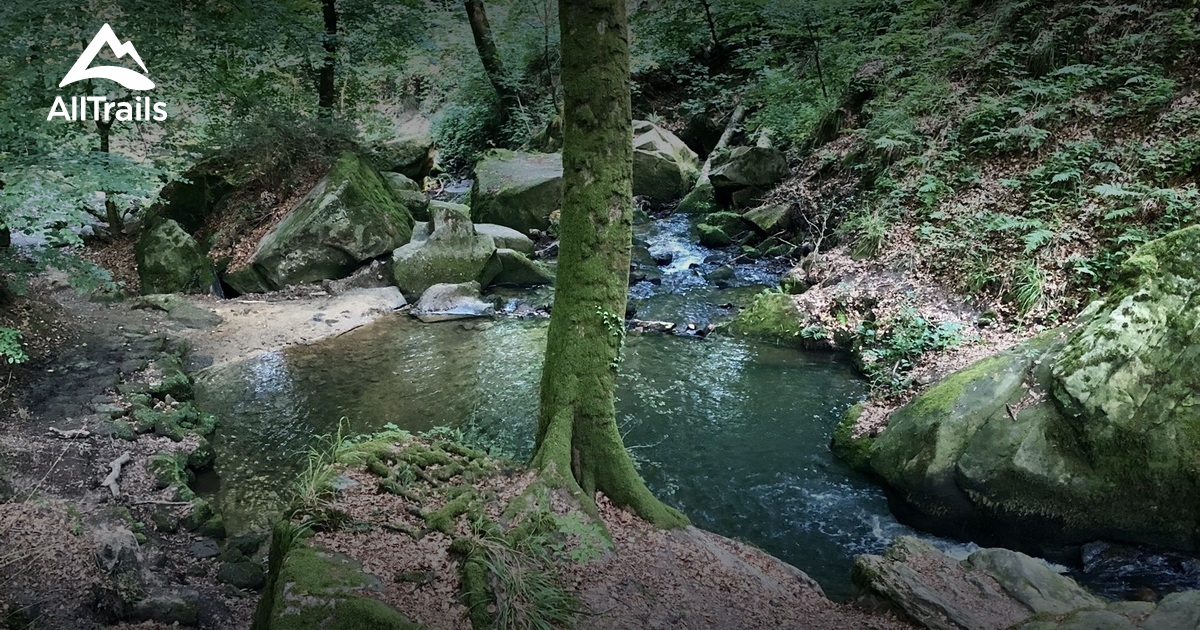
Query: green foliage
{"x": 887, "y": 351}
{"x": 10, "y": 346}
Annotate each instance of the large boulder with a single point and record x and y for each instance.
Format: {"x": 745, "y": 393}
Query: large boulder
{"x": 452, "y": 253}
{"x": 349, "y": 217}
{"x": 506, "y": 237}
{"x": 517, "y": 190}
{"x": 169, "y": 260}
{"x": 991, "y": 589}
{"x": 664, "y": 168}
{"x": 1084, "y": 433}
{"x": 410, "y": 152}
{"x": 742, "y": 174}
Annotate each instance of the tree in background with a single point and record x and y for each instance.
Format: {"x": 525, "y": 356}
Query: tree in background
{"x": 577, "y": 436}
{"x": 493, "y": 65}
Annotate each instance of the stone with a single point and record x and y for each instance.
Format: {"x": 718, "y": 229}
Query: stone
{"x": 1104, "y": 446}
{"x": 1177, "y": 610}
{"x": 400, "y": 182}
{"x": 1032, "y": 582}
{"x": 243, "y": 575}
{"x": 206, "y": 548}
{"x": 506, "y": 237}
{"x": 116, "y": 550}
{"x": 770, "y": 219}
{"x": 518, "y": 270}
{"x": 444, "y": 302}
{"x": 748, "y": 167}
{"x": 517, "y": 190}
{"x": 724, "y": 273}
{"x": 713, "y": 236}
{"x": 174, "y": 605}
{"x": 350, "y": 216}
{"x": 180, "y": 310}
{"x": 452, "y": 254}
{"x": 320, "y": 589}
{"x": 410, "y": 153}
{"x": 932, "y": 589}
{"x": 169, "y": 260}
{"x": 771, "y": 315}
{"x": 664, "y": 168}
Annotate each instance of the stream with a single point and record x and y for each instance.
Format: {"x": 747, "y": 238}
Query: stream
{"x": 733, "y": 432}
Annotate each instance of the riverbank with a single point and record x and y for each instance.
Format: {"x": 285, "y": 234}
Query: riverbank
{"x": 112, "y": 361}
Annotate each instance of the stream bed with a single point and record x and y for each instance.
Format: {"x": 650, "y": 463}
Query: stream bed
{"x": 733, "y": 432}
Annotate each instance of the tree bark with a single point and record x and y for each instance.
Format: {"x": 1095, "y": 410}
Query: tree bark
{"x": 489, "y": 55}
{"x": 326, "y": 91}
{"x": 111, "y": 214}
{"x": 577, "y": 439}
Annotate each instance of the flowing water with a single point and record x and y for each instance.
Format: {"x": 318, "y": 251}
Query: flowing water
{"x": 734, "y": 433}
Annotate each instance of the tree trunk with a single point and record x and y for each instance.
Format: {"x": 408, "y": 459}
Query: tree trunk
{"x": 111, "y": 214}
{"x": 325, "y": 81}
{"x": 485, "y": 44}
{"x": 577, "y": 438}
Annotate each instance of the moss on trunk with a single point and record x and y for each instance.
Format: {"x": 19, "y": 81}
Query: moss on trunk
{"x": 577, "y": 432}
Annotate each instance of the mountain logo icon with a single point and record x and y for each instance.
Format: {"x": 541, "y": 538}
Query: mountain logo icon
{"x": 106, "y": 37}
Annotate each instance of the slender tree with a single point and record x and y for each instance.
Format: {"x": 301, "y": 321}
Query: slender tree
{"x": 489, "y": 55}
{"x": 577, "y": 437}
{"x": 325, "y": 79}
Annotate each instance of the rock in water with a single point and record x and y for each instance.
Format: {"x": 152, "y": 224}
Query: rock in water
{"x": 444, "y": 302}
{"x": 991, "y": 589}
{"x": 1088, "y": 432}
{"x": 169, "y": 260}
{"x": 517, "y": 190}
{"x": 453, "y": 253}
{"x": 352, "y": 215}
{"x": 518, "y": 270}
{"x": 664, "y": 168}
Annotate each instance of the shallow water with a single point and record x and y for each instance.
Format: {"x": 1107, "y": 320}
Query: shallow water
{"x": 733, "y": 433}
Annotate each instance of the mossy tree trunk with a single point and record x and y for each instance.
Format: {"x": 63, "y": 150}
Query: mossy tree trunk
{"x": 577, "y": 437}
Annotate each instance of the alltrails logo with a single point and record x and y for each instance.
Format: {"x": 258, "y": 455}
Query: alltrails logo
{"x": 140, "y": 109}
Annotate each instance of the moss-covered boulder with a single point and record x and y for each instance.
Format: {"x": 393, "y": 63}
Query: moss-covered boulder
{"x": 517, "y": 190}
{"x": 452, "y": 254}
{"x": 713, "y": 236}
{"x": 321, "y": 590}
{"x": 740, "y": 176}
{"x": 410, "y": 151}
{"x": 770, "y": 219}
{"x": 1081, "y": 434}
{"x": 169, "y": 260}
{"x": 352, "y": 215}
{"x": 515, "y": 269}
{"x": 664, "y": 168}
{"x": 771, "y": 315}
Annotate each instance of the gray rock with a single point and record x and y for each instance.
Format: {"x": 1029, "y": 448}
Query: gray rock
{"x": 1032, "y": 582}
{"x": 411, "y": 152}
{"x": 350, "y": 216}
{"x": 452, "y": 254}
{"x": 1177, "y": 610}
{"x": 518, "y": 270}
{"x": 245, "y": 575}
{"x": 517, "y": 190}
{"x": 748, "y": 167}
{"x": 116, "y": 550}
{"x": 724, "y": 273}
{"x": 664, "y": 168}
{"x": 169, "y": 260}
{"x": 444, "y": 302}
{"x": 206, "y": 548}
{"x": 920, "y": 582}
{"x": 506, "y": 237}
{"x": 176, "y": 605}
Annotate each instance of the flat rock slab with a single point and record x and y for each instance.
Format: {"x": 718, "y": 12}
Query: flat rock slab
{"x": 251, "y": 327}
